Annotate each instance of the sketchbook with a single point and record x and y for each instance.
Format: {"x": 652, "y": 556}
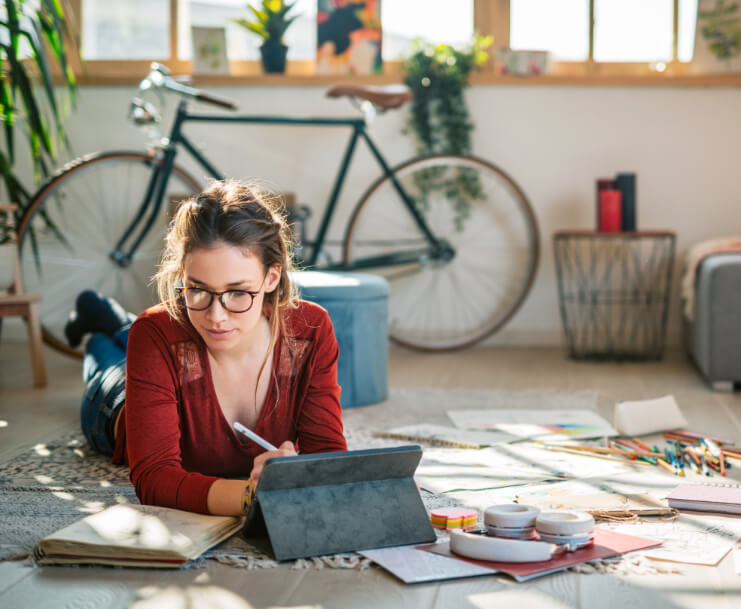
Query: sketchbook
{"x": 136, "y": 536}
{"x": 706, "y": 498}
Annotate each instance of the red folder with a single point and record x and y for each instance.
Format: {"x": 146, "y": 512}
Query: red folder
{"x": 606, "y": 544}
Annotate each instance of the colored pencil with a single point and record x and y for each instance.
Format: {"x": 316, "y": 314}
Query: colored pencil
{"x": 698, "y": 436}
{"x": 682, "y": 439}
{"x": 731, "y": 450}
{"x": 630, "y": 445}
{"x": 641, "y": 445}
{"x": 572, "y": 451}
{"x": 642, "y": 454}
{"x": 593, "y": 449}
{"x": 722, "y": 464}
{"x": 665, "y": 465}
{"x": 695, "y": 457}
{"x": 617, "y": 451}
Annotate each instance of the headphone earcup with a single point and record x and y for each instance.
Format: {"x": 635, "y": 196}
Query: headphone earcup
{"x": 484, "y": 547}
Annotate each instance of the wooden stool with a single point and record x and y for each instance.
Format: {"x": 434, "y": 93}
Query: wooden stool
{"x": 15, "y": 302}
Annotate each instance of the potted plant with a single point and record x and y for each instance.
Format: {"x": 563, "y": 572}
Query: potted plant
{"x": 270, "y": 22}
{"x": 29, "y": 105}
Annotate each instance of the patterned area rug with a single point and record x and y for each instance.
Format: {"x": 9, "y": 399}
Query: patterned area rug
{"x": 55, "y": 484}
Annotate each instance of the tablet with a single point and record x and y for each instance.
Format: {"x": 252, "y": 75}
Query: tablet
{"x": 329, "y": 503}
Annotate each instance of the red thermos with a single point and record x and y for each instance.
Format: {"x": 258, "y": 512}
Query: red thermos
{"x": 610, "y": 213}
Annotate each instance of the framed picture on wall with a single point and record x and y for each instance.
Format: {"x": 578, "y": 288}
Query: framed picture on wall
{"x": 209, "y": 50}
{"x": 348, "y": 37}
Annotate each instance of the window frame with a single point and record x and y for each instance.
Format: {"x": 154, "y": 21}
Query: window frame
{"x": 490, "y": 17}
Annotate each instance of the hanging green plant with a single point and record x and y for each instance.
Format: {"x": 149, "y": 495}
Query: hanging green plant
{"x": 439, "y": 120}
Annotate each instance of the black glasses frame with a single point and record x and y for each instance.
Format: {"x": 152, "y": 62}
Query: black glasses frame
{"x": 182, "y": 290}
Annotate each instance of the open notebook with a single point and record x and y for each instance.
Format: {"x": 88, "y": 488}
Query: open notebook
{"x": 137, "y": 536}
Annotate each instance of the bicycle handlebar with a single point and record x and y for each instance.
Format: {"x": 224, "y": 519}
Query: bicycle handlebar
{"x": 160, "y": 76}
{"x": 199, "y": 94}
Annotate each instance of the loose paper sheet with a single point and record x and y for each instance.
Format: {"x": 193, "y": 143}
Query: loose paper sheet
{"x": 541, "y": 425}
{"x": 692, "y": 538}
{"x": 414, "y": 566}
{"x": 444, "y": 470}
{"x": 447, "y": 435}
{"x": 737, "y": 560}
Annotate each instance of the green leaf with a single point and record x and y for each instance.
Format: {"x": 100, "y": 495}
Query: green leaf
{"x": 262, "y": 16}
{"x": 8, "y": 115}
{"x": 39, "y": 56}
{"x": 28, "y": 98}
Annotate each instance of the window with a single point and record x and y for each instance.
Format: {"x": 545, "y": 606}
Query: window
{"x": 633, "y": 30}
{"x": 241, "y": 44}
{"x": 126, "y": 29}
{"x": 405, "y": 20}
{"x": 624, "y": 31}
{"x": 559, "y": 27}
{"x": 585, "y": 37}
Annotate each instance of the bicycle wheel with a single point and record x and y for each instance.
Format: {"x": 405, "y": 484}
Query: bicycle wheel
{"x": 451, "y": 298}
{"x": 90, "y": 202}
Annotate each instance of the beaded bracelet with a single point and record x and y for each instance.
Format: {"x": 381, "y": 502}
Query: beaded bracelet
{"x": 247, "y": 495}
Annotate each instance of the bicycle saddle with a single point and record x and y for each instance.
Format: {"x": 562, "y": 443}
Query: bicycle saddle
{"x": 384, "y": 98}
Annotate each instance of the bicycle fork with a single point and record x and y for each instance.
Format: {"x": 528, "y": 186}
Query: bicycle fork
{"x": 162, "y": 161}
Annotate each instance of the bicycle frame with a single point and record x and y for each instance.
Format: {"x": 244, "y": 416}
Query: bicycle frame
{"x": 156, "y": 188}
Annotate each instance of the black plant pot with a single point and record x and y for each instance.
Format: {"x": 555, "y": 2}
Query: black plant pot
{"x": 273, "y": 55}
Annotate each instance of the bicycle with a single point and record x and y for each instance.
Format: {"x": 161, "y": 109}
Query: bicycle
{"x": 455, "y": 236}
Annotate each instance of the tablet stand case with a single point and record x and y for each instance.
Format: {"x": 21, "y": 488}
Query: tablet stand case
{"x": 329, "y": 503}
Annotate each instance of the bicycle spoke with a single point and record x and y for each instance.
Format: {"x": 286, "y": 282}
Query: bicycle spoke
{"x": 450, "y": 302}
{"x": 92, "y": 203}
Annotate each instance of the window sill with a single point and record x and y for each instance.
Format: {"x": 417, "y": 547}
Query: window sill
{"x": 111, "y": 78}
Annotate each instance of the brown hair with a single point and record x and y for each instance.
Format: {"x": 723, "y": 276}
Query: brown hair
{"x": 233, "y": 213}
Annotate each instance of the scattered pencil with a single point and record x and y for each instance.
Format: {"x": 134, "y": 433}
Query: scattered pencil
{"x": 563, "y": 448}
{"x": 641, "y": 445}
{"x": 697, "y": 436}
{"x": 665, "y": 465}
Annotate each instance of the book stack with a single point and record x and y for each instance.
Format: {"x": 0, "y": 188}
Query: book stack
{"x": 616, "y": 203}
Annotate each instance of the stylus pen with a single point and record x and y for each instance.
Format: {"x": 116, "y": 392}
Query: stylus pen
{"x": 253, "y": 436}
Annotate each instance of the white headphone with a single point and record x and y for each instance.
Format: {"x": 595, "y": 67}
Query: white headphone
{"x": 510, "y": 527}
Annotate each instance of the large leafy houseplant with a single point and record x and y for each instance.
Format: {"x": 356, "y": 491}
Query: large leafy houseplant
{"x": 439, "y": 119}
{"x": 35, "y": 49}
{"x": 270, "y": 23}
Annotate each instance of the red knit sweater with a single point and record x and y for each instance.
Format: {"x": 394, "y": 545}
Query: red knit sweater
{"x": 174, "y": 435}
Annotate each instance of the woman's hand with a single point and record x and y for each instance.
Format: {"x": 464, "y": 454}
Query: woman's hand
{"x": 287, "y": 449}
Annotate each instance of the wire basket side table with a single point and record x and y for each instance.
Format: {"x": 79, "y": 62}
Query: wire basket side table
{"x": 614, "y": 291}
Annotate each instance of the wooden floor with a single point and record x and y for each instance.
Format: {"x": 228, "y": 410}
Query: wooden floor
{"x": 30, "y": 415}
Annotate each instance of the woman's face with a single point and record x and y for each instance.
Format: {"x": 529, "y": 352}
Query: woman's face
{"x": 224, "y": 268}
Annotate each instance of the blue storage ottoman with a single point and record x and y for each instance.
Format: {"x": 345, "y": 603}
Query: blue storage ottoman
{"x": 357, "y": 304}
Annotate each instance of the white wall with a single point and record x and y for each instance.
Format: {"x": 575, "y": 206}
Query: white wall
{"x": 554, "y": 141}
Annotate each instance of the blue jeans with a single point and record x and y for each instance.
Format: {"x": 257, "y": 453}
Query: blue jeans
{"x": 104, "y": 373}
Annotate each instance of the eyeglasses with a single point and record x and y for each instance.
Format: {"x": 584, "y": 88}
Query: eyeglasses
{"x": 234, "y": 301}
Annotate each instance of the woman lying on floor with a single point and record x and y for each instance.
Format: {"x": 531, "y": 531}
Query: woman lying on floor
{"x": 229, "y": 342}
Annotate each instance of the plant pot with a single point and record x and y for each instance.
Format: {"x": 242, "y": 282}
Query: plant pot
{"x": 273, "y": 54}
